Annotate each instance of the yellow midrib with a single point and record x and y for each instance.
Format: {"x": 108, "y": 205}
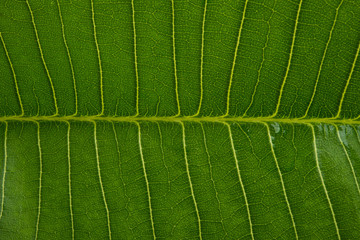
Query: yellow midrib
{"x": 179, "y": 119}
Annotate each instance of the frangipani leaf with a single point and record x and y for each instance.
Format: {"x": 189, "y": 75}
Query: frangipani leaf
{"x": 174, "y": 119}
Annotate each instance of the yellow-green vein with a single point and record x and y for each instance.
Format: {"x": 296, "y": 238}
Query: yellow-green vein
{"x": 179, "y": 119}
{"x": 322, "y": 61}
{"x": 234, "y": 61}
{"x": 348, "y": 81}
{"x": 40, "y": 180}
{"x": 100, "y": 180}
{"x": 135, "y": 58}
{"x": 289, "y": 61}
{"x": 240, "y": 179}
{"x": 69, "y": 58}
{"x": 69, "y": 180}
{"x": 347, "y": 157}
{"x": 174, "y": 59}
{"x": 202, "y": 60}
{"x": 189, "y": 179}
{"x": 281, "y": 179}
{"x": 322, "y": 180}
{"x": 99, "y": 60}
{"x": 14, "y": 75}
{"x": 146, "y": 180}
{"x": 4, "y": 172}
{"x": 43, "y": 59}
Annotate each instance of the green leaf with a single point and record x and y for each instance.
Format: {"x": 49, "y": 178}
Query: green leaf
{"x": 176, "y": 119}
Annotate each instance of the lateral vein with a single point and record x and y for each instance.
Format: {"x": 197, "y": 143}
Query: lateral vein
{"x": 289, "y": 61}
{"x": 281, "y": 180}
{"x": 322, "y": 62}
{"x": 146, "y": 179}
{"x": 69, "y": 180}
{"x": 4, "y": 172}
{"x": 69, "y": 58}
{"x": 135, "y": 58}
{"x": 202, "y": 60}
{"x": 40, "y": 180}
{"x": 323, "y": 182}
{"x": 14, "y": 75}
{"x": 348, "y": 81}
{"x": 348, "y": 158}
{"x": 99, "y": 60}
{"x": 189, "y": 179}
{"x": 100, "y": 180}
{"x": 240, "y": 179}
{"x": 43, "y": 59}
{"x": 234, "y": 61}
{"x": 174, "y": 58}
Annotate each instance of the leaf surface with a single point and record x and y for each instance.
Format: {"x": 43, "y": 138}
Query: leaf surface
{"x": 212, "y": 119}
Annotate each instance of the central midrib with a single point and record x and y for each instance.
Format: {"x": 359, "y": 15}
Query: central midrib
{"x": 180, "y": 119}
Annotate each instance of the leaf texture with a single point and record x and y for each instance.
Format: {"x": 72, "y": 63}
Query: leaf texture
{"x": 180, "y": 119}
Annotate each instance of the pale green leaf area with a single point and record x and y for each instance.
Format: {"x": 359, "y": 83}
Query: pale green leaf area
{"x": 179, "y": 119}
